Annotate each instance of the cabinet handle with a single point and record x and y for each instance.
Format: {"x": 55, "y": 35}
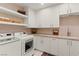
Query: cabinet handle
{"x": 68, "y": 43}
{"x": 71, "y": 43}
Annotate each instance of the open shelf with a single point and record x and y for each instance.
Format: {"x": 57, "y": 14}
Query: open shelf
{"x": 11, "y": 12}
{"x": 12, "y": 24}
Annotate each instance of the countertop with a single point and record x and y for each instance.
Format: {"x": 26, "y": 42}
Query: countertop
{"x": 58, "y": 37}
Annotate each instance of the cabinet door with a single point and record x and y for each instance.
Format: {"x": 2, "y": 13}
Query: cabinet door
{"x": 35, "y": 41}
{"x": 32, "y": 22}
{"x": 63, "y": 9}
{"x": 48, "y": 17}
{"x": 74, "y": 7}
{"x": 63, "y": 47}
{"x": 74, "y": 49}
{"x": 44, "y": 17}
{"x": 46, "y": 44}
{"x": 54, "y": 46}
{"x": 11, "y": 49}
{"x": 54, "y": 22}
{"x": 39, "y": 43}
{"x": 42, "y": 43}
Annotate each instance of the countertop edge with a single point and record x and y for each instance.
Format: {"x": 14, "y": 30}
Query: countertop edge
{"x": 58, "y": 37}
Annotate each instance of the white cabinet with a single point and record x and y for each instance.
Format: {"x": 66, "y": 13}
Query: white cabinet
{"x": 74, "y": 49}
{"x": 39, "y": 43}
{"x": 48, "y": 17}
{"x": 11, "y": 49}
{"x": 46, "y": 45}
{"x": 54, "y": 46}
{"x": 63, "y": 47}
{"x": 63, "y": 9}
{"x": 68, "y": 47}
{"x": 60, "y": 47}
{"x": 74, "y": 7}
{"x": 32, "y": 22}
{"x": 42, "y": 43}
{"x": 36, "y": 41}
{"x": 68, "y": 8}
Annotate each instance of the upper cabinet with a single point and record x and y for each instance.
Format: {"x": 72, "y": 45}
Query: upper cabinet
{"x": 48, "y": 17}
{"x": 32, "y": 18}
{"x": 74, "y": 7}
{"x": 69, "y": 8}
{"x": 63, "y": 9}
{"x": 11, "y": 12}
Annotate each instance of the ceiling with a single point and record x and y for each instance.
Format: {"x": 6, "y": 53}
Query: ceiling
{"x": 37, "y": 6}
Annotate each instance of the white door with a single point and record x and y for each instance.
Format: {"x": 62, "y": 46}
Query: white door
{"x": 63, "y": 47}
{"x": 74, "y": 49}
{"x": 11, "y": 49}
{"x": 54, "y": 46}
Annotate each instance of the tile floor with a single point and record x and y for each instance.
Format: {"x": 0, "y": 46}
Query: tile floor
{"x": 40, "y": 53}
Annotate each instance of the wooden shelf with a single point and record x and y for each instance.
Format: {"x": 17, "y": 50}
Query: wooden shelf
{"x": 12, "y": 24}
{"x": 11, "y": 12}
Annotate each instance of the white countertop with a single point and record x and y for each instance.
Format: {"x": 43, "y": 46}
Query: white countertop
{"x": 59, "y": 37}
{"x": 1, "y": 38}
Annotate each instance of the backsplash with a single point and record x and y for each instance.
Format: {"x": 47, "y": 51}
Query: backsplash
{"x": 49, "y": 31}
{"x": 10, "y": 29}
{"x": 71, "y": 24}
{"x": 45, "y": 31}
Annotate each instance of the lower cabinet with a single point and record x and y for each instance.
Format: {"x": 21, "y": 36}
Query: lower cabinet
{"x": 55, "y": 46}
{"x": 37, "y": 42}
{"x": 74, "y": 48}
{"x": 11, "y": 49}
{"x": 47, "y": 44}
{"x": 63, "y": 47}
{"x": 42, "y": 43}
{"x": 68, "y": 47}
